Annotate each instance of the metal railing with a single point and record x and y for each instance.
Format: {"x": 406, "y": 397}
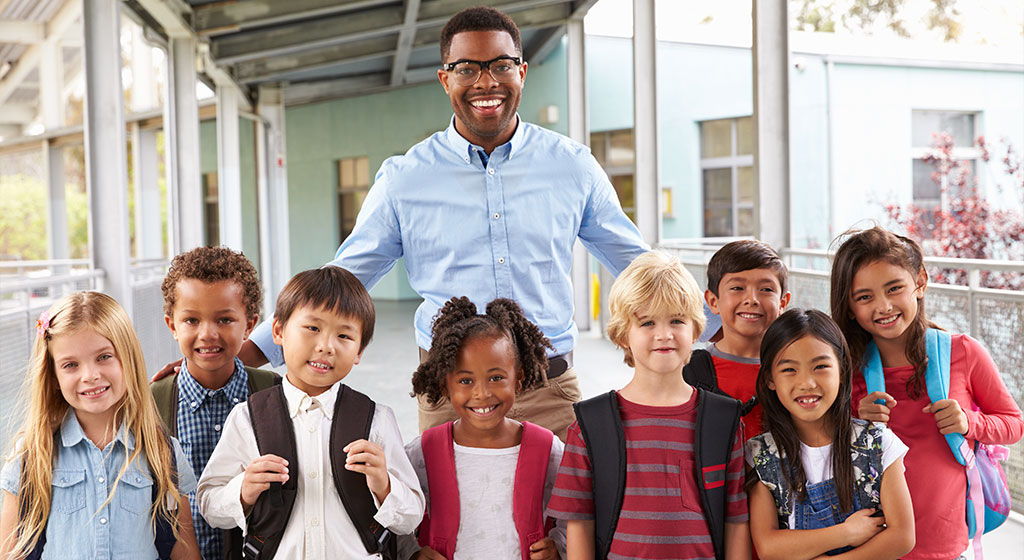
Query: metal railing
{"x": 994, "y": 317}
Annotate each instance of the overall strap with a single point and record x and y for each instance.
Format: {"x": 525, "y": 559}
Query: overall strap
{"x": 600, "y": 421}
{"x": 528, "y": 494}
{"x": 353, "y": 416}
{"x": 440, "y": 527}
{"x": 272, "y": 427}
{"x": 717, "y": 420}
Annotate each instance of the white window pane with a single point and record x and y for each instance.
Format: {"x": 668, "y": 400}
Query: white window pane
{"x": 745, "y": 136}
{"x": 718, "y": 186}
{"x": 925, "y": 124}
{"x": 716, "y": 138}
{"x": 717, "y": 222}
{"x": 924, "y": 187}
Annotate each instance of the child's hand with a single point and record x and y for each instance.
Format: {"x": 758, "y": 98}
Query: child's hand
{"x": 258, "y": 476}
{"x": 368, "y": 458}
{"x": 860, "y": 526}
{"x": 544, "y": 549}
{"x": 427, "y": 553}
{"x": 949, "y": 417}
{"x": 868, "y": 410}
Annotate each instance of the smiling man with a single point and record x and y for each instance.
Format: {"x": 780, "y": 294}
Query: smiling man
{"x": 488, "y": 208}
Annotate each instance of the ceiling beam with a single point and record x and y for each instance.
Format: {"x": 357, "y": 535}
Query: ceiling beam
{"x": 405, "y": 39}
{"x": 29, "y": 60}
{"x": 18, "y": 113}
{"x": 22, "y": 32}
{"x": 218, "y": 18}
{"x": 296, "y": 94}
{"x": 268, "y": 70}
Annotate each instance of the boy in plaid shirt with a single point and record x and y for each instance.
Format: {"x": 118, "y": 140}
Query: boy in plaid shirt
{"x": 212, "y": 301}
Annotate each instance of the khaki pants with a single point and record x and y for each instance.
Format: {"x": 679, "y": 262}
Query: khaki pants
{"x": 548, "y": 405}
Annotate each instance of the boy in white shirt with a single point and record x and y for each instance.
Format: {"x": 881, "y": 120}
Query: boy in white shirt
{"x": 323, "y": 320}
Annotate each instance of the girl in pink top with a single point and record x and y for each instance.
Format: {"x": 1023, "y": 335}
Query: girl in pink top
{"x": 878, "y": 289}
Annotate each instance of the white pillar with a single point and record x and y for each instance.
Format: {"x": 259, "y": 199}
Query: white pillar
{"x": 229, "y": 178}
{"x": 181, "y": 148}
{"x": 51, "y": 84}
{"x": 771, "y": 122}
{"x": 57, "y": 242}
{"x": 148, "y": 226}
{"x": 105, "y": 161}
{"x": 275, "y": 259}
{"x": 578, "y": 131}
{"x": 143, "y": 73}
{"x": 645, "y": 122}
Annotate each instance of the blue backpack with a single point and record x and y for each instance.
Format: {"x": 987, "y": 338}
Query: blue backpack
{"x": 988, "y": 494}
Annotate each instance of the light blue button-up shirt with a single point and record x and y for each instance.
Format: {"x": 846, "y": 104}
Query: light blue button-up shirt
{"x": 488, "y": 227}
{"x": 78, "y": 528}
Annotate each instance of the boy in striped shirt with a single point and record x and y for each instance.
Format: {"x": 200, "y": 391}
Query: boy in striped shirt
{"x": 656, "y": 313}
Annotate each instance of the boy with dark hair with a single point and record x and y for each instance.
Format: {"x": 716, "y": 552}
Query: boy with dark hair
{"x": 310, "y": 465}
{"x": 654, "y": 470}
{"x": 211, "y": 302}
{"x": 747, "y": 288}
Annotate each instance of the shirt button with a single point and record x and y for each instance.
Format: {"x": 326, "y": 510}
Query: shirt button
{"x": 490, "y": 171}
{"x": 501, "y": 260}
{"x": 312, "y": 474}
{"x": 312, "y": 429}
{"x": 467, "y": 159}
{"x": 103, "y": 521}
{"x": 216, "y": 428}
{"x": 235, "y": 400}
{"x": 496, "y": 216}
{"x": 194, "y": 404}
{"x": 315, "y": 522}
{"x": 100, "y": 480}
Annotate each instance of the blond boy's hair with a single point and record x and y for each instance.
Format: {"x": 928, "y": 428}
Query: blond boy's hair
{"x": 654, "y": 283}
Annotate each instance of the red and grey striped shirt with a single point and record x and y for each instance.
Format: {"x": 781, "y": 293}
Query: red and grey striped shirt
{"x": 661, "y": 514}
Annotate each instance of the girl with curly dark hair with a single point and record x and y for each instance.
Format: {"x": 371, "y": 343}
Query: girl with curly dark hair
{"x": 505, "y": 469}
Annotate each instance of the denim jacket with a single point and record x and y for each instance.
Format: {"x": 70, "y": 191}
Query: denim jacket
{"x": 78, "y": 528}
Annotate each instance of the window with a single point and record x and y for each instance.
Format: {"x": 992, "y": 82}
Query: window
{"x": 353, "y": 184}
{"x": 615, "y": 151}
{"x": 924, "y": 126}
{"x": 727, "y": 169}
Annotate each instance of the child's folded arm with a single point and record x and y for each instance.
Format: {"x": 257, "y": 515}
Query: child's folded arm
{"x": 220, "y": 486}
{"x": 772, "y": 542}
{"x": 402, "y": 509}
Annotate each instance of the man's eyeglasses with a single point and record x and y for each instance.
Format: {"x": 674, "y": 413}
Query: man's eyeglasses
{"x": 503, "y": 69}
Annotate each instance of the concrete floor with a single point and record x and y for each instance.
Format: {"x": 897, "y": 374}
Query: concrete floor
{"x": 385, "y": 374}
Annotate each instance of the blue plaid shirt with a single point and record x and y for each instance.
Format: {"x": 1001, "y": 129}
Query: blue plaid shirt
{"x": 201, "y": 415}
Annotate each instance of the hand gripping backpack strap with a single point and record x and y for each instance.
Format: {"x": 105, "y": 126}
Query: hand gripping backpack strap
{"x": 601, "y": 427}
{"x": 717, "y": 420}
{"x": 528, "y": 496}
{"x": 440, "y": 527}
{"x": 353, "y": 416}
{"x": 272, "y": 427}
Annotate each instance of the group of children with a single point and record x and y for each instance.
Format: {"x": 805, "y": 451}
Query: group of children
{"x": 769, "y": 443}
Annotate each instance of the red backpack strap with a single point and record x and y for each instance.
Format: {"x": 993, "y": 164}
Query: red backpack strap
{"x": 440, "y": 526}
{"x": 528, "y": 493}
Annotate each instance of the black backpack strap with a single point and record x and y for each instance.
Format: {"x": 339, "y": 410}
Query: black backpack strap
{"x": 717, "y": 420}
{"x": 601, "y": 426}
{"x": 353, "y": 416}
{"x": 165, "y": 393}
{"x": 700, "y": 371}
{"x": 272, "y": 427}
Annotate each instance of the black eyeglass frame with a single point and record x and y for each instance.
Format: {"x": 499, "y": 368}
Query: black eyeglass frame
{"x": 483, "y": 64}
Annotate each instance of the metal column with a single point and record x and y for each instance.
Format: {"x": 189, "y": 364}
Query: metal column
{"x": 181, "y": 148}
{"x": 771, "y": 122}
{"x": 578, "y": 131}
{"x": 275, "y": 257}
{"x": 229, "y": 178}
{"x": 51, "y": 106}
{"x": 105, "y": 161}
{"x": 645, "y": 122}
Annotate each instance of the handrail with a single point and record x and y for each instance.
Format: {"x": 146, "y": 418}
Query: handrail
{"x": 8, "y": 287}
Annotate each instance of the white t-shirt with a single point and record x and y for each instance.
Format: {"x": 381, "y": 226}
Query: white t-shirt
{"x": 486, "y": 479}
{"x": 817, "y": 461}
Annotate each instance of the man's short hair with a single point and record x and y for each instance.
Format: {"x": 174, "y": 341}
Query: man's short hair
{"x": 209, "y": 265}
{"x": 655, "y": 283}
{"x": 332, "y": 289}
{"x": 746, "y": 254}
{"x": 478, "y": 18}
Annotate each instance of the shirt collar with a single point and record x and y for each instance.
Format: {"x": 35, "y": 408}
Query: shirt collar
{"x": 465, "y": 149}
{"x": 294, "y": 398}
{"x": 71, "y": 432}
{"x": 191, "y": 391}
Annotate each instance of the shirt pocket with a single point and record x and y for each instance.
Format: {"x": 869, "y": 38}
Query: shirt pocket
{"x": 135, "y": 493}
{"x": 68, "y": 490}
{"x": 689, "y": 494}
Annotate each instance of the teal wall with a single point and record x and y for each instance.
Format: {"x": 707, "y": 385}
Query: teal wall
{"x": 378, "y": 126}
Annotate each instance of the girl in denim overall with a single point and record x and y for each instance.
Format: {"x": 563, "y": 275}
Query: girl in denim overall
{"x": 821, "y": 480}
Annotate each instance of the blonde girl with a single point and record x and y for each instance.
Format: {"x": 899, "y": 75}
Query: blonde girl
{"x": 878, "y": 298}
{"x": 92, "y": 474}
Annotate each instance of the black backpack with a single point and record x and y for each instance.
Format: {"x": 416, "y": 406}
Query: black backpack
{"x": 600, "y": 421}
{"x": 700, "y": 372}
{"x": 164, "y": 535}
{"x": 353, "y": 414}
